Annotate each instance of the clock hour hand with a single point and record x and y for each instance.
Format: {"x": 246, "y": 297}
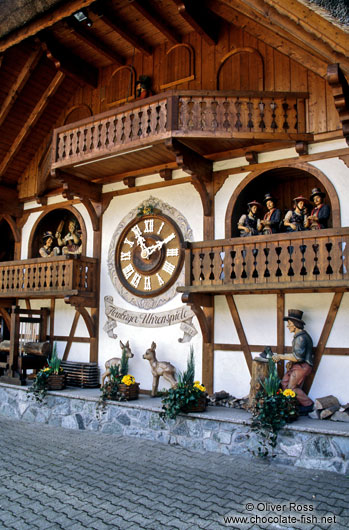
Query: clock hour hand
{"x": 159, "y": 244}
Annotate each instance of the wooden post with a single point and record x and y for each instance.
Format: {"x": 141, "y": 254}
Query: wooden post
{"x": 260, "y": 370}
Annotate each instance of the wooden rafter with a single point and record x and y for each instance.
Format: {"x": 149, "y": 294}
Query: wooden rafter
{"x": 197, "y": 166}
{"x": 19, "y": 83}
{"x": 240, "y": 331}
{"x": 116, "y": 24}
{"x": 321, "y": 346}
{"x": 76, "y": 186}
{"x": 86, "y": 36}
{"x": 197, "y": 302}
{"x": 65, "y": 61}
{"x": 340, "y": 92}
{"x": 267, "y": 15}
{"x": 156, "y": 20}
{"x": 203, "y": 21}
{"x": 32, "y": 119}
{"x": 48, "y": 19}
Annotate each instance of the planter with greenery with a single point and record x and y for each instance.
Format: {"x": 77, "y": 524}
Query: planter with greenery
{"x": 121, "y": 386}
{"x": 187, "y": 396}
{"x": 51, "y": 377}
{"x": 274, "y": 408}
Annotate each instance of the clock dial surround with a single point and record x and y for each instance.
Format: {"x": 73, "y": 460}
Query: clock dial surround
{"x": 149, "y": 255}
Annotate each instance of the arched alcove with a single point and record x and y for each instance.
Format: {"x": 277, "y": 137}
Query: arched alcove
{"x": 285, "y": 183}
{"x": 122, "y": 85}
{"x": 179, "y": 65}
{"x": 241, "y": 69}
{"x": 77, "y": 113}
{"x": 49, "y": 221}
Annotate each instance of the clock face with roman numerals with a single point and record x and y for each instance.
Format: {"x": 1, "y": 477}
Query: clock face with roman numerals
{"x": 149, "y": 255}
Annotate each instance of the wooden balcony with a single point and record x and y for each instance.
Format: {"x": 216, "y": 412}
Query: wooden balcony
{"x": 133, "y": 136}
{"x": 311, "y": 261}
{"x": 59, "y": 277}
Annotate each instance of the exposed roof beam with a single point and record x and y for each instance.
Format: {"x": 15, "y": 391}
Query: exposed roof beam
{"x": 94, "y": 42}
{"x": 67, "y": 62}
{"x": 286, "y": 45}
{"x": 31, "y": 120}
{"x": 203, "y": 21}
{"x": 45, "y": 21}
{"x": 268, "y": 17}
{"x": 156, "y": 20}
{"x": 340, "y": 92}
{"x": 120, "y": 27}
{"x": 18, "y": 85}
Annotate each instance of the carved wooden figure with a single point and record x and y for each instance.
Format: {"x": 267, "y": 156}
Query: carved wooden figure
{"x": 116, "y": 361}
{"x": 159, "y": 369}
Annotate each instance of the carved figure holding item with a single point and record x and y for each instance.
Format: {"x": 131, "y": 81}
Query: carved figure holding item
{"x": 116, "y": 361}
{"x": 47, "y": 250}
{"x": 159, "y": 369}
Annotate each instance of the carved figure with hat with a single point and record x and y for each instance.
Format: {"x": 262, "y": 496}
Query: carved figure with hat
{"x": 271, "y": 220}
{"x": 296, "y": 220}
{"x": 71, "y": 242}
{"x": 249, "y": 224}
{"x": 301, "y": 360}
{"x": 47, "y": 249}
{"x": 321, "y": 212}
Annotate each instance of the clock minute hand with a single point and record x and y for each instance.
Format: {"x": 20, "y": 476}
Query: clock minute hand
{"x": 159, "y": 244}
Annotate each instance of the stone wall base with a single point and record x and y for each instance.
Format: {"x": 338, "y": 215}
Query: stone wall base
{"x": 222, "y": 431}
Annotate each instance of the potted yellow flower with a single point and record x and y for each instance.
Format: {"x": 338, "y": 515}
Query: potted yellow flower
{"x": 121, "y": 385}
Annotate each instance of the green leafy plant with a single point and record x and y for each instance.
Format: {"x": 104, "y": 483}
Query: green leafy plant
{"x": 274, "y": 408}
{"x": 38, "y": 389}
{"x": 187, "y": 393}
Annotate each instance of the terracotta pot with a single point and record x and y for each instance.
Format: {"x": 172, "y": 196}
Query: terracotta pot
{"x": 129, "y": 391}
{"x": 56, "y": 382}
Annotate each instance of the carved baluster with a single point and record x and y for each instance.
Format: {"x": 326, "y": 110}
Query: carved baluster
{"x": 140, "y": 128}
{"x": 192, "y": 265}
{"x": 92, "y": 132}
{"x": 255, "y": 263}
{"x": 266, "y": 251}
{"x": 163, "y": 116}
{"x": 157, "y": 117}
{"x": 316, "y": 270}
{"x": 99, "y": 136}
{"x": 149, "y": 118}
{"x": 191, "y": 120}
{"x": 261, "y": 107}
{"x": 107, "y": 127}
{"x": 303, "y": 271}
{"x": 211, "y": 276}
{"x": 78, "y": 140}
{"x": 243, "y": 255}
{"x": 222, "y": 273}
{"x": 202, "y": 120}
{"x": 226, "y": 122}
{"x": 342, "y": 250}
{"x": 71, "y": 136}
{"x": 238, "y": 123}
{"x": 285, "y": 108}
{"x": 273, "y": 107}
{"x": 84, "y": 146}
{"x": 214, "y": 122}
{"x": 201, "y": 276}
{"x": 290, "y": 250}
{"x": 131, "y": 134}
{"x": 64, "y": 146}
{"x": 278, "y": 272}
{"x": 122, "y": 136}
{"x": 232, "y": 255}
{"x": 250, "y": 124}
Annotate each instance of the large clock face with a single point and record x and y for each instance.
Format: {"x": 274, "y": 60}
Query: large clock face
{"x": 149, "y": 255}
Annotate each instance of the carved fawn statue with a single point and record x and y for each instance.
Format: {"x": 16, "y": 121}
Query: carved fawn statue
{"x": 158, "y": 369}
{"x": 115, "y": 361}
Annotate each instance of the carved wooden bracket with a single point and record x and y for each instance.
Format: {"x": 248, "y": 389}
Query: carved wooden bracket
{"x": 9, "y": 202}
{"x": 76, "y": 186}
{"x": 301, "y": 148}
{"x": 345, "y": 159}
{"x": 166, "y": 174}
{"x": 197, "y": 166}
{"x": 196, "y": 301}
{"x": 130, "y": 182}
{"x": 340, "y": 91}
{"x": 251, "y": 157}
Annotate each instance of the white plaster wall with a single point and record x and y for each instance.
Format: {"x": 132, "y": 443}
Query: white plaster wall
{"x": 185, "y": 199}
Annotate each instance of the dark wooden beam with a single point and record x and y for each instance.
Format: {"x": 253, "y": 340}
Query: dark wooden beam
{"x": 166, "y": 174}
{"x": 130, "y": 182}
{"x": 9, "y": 203}
{"x": 340, "y": 91}
{"x": 19, "y": 83}
{"x": 155, "y": 18}
{"x": 120, "y": 27}
{"x": 251, "y": 157}
{"x": 301, "y": 148}
{"x": 201, "y": 19}
{"x": 68, "y": 63}
{"x": 76, "y": 186}
{"x": 85, "y": 35}
{"x": 31, "y": 120}
{"x": 240, "y": 331}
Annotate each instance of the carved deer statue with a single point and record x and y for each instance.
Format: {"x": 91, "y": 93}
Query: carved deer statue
{"x": 159, "y": 369}
{"x": 116, "y": 361}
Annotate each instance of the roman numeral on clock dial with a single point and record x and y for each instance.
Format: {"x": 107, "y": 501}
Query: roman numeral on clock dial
{"x": 168, "y": 267}
{"x": 148, "y": 225}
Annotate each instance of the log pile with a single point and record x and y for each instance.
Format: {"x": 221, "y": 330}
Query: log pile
{"x": 224, "y": 399}
{"x": 329, "y": 408}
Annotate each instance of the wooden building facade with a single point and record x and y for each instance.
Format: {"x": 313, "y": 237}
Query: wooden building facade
{"x": 151, "y": 125}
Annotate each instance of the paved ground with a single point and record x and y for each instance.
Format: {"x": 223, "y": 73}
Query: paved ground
{"x": 54, "y": 478}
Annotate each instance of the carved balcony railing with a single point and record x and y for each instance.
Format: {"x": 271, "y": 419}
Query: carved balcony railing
{"x": 298, "y": 261}
{"x": 201, "y": 114}
{"x": 57, "y": 277}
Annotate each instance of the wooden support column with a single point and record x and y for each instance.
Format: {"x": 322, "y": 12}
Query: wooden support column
{"x": 71, "y": 335}
{"x": 240, "y": 331}
{"x": 320, "y": 348}
{"x": 280, "y": 331}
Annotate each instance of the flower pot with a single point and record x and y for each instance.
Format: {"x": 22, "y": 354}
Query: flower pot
{"x": 129, "y": 391}
{"x": 56, "y": 382}
{"x": 199, "y": 406}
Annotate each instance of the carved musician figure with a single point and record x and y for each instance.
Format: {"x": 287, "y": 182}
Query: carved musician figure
{"x": 271, "y": 221}
{"x": 320, "y": 213}
{"x": 71, "y": 242}
{"x": 249, "y": 224}
{"x": 47, "y": 250}
{"x": 297, "y": 219}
